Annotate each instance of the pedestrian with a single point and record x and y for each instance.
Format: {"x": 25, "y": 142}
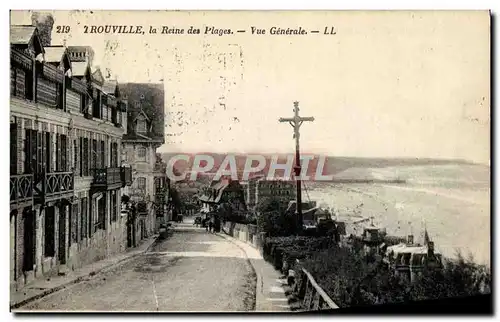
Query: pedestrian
{"x": 210, "y": 226}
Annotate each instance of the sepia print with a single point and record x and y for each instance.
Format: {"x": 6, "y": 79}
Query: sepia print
{"x": 248, "y": 161}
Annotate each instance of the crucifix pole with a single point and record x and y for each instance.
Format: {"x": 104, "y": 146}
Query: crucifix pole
{"x": 296, "y": 122}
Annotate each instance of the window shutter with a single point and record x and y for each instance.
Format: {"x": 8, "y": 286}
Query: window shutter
{"x": 64, "y": 152}
{"x": 81, "y": 157}
{"x": 103, "y": 155}
{"x": 58, "y": 152}
{"x": 40, "y": 156}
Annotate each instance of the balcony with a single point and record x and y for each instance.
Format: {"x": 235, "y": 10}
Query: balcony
{"x": 126, "y": 176}
{"x": 54, "y": 186}
{"x": 21, "y": 189}
{"x": 106, "y": 179}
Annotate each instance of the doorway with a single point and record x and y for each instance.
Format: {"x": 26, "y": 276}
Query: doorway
{"x": 62, "y": 235}
{"x": 29, "y": 239}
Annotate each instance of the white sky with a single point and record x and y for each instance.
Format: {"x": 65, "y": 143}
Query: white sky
{"x": 386, "y": 85}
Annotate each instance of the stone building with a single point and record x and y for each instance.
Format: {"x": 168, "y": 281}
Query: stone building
{"x": 65, "y": 180}
{"x": 145, "y": 134}
{"x": 260, "y": 187}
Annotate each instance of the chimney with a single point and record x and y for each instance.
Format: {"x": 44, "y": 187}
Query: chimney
{"x": 44, "y": 23}
{"x": 410, "y": 240}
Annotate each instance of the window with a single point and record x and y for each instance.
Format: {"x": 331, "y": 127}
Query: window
{"x": 114, "y": 155}
{"x": 61, "y": 152}
{"x": 48, "y": 152}
{"x": 64, "y": 153}
{"x": 94, "y": 155}
{"x": 13, "y": 148}
{"x": 103, "y": 155}
{"x": 141, "y": 183}
{"x": 30, "y": 150}
{"x": 141, "y": 153}
{"x": 75, "y": 155}
{"x": 84, "y": 152}
{"x": 141, "y": 126}
{"x": 99, "y": 212}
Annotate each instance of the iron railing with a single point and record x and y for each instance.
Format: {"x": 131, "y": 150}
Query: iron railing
{"x": 107, "y": 176}
{"x": 21, "y": 187}
{"x": 58, "y": 182}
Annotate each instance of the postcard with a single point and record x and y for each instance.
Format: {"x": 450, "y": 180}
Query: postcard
{"x": 249, "y": 161}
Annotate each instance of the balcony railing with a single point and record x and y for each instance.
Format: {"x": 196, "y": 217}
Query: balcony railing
{"x": 107, "y": 176}
{"x": 54, "y": 185}
{"x": 21, "y": 187}
{"x": 126, "y": 176}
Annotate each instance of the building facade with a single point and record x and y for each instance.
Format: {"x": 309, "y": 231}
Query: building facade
{"x": 258, "y": 188}
{"x": 65, "y": 180}
{"x": 145, "y": 134}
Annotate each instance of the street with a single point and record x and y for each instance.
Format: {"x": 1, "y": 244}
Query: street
{"x": 192, "y": 270}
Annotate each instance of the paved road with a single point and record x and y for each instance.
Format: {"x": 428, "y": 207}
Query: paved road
{"x": 191, "y": 271}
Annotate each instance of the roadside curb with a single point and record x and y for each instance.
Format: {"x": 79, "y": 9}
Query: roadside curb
{"x": 260, "y": 278}
{"x": 81, "y": 278}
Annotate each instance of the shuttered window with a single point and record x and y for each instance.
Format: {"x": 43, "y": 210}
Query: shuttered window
{"x": 75, "y": 157}
{"x": 13, "y": 148}
{"x": 103, "y": 155}
{"x": 64, "y": 153}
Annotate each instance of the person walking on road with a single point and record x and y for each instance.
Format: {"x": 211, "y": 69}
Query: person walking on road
{"x": 210, "y": 226}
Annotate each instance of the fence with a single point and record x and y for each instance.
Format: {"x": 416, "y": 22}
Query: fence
{"x": 311, "y": 295}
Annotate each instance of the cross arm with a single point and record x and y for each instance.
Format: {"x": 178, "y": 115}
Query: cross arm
{"x": 308, "y": 119}
{"x": 284, "y": 119}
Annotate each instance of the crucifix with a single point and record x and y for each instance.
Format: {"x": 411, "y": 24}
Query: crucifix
{"x": 296, "y": 121}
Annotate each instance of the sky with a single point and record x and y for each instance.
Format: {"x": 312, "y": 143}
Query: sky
{"x": 387, "y": 84}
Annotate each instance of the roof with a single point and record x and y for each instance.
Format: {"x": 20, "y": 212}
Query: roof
{"x": 54, "y": 54}
{"x": 404, "y": 248}
{"x": 153, "y": 105}
{"x": 109, "y": 87}
{"x": 79, "y": 68}
{"x": 21, "y": 35}
{"x": 215, "y": 191}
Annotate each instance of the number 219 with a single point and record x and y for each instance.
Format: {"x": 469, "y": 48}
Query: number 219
{"x": 62, "y": 29}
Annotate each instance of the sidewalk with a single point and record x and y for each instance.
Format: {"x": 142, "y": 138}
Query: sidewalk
{"x": 272, "y": 289}
{"x": 43, "y": 287}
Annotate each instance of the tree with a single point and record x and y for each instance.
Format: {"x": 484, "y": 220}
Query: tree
{"x": 273, "y": 219}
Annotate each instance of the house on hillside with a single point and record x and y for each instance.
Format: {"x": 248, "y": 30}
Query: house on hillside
{"x": 225, "y": 191}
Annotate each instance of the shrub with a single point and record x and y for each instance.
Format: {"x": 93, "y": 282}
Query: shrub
{"x": 350, "y": 279}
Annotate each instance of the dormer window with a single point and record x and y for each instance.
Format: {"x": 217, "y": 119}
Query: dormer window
{"x": 141, "y": 126}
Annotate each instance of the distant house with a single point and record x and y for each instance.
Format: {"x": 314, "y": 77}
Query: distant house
{"x": 144, "y": 135}
{"x": 220, "y": 192}
{"x": 260, "y": 187}
{"x": 409, "y": 259}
